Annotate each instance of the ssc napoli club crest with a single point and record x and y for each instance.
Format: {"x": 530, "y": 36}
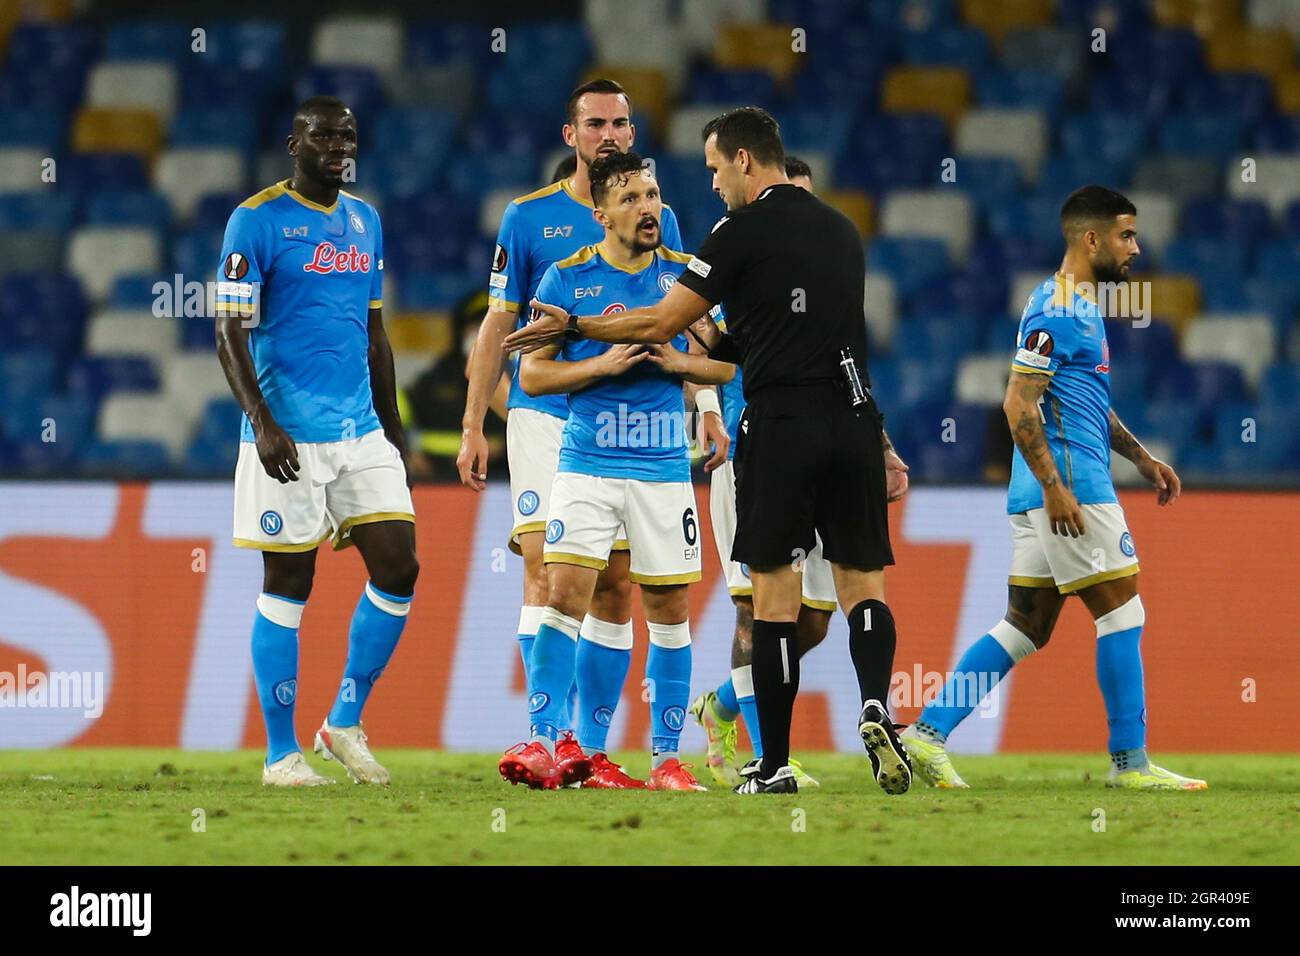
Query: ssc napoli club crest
{"x": 554, "y": 531}
{"x": 744, "y": 569}
{"x": 528, "y": 502}
{"x": 375, "y": 674}
{"x": 666, "y": 281}
{"x": 236, "y": 266}
{"x": 1126, "y": 544}
{"x": 356, "y": 223}
{"x": 1040, "y": 343}
{"x": 537, "y": 702}
{"x": 285, "y": 692}
{"x": 272, "y": 523}
{"x": 674, "y": 718}
{"x": 603, "y": 716}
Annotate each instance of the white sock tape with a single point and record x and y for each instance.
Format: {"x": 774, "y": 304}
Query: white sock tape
{"x": 1128, "y": 615}
{"x": 670, "y": 635}
{"x": 561, "y": 622}
{"x": 1013, "y": 640}
{"x": 606, "y": 633}
{"x": 530, "y": 615}
{"x": 742, "y": 679}
{"x": 395, "y": 608}
{"x": 279, "y": 611}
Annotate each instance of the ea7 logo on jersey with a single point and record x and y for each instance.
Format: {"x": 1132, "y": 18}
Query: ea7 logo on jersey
{"x": 587, "y": 291}
{"x": 557, "y": 232}
{"x": 293, "y": 232}
{"x": 236, "y": 266}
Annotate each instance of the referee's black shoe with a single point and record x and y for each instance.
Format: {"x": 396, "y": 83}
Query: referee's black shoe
{"x": 889, "y": 760}
{"x": 782, "y": 781}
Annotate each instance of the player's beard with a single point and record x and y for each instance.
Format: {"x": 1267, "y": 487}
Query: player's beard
{"x": 1108, "y": 270}
{"x": 588, "y": 160}
{"x": 640, "y": 246}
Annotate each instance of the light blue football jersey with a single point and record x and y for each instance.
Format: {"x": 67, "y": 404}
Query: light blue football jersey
{"x": 1062, "y": 335}
{"x": 313, "y": 273}
{"x": 538, "y": 230}
{"x": 731, "y": 396}
{"x": 631, "y": 425}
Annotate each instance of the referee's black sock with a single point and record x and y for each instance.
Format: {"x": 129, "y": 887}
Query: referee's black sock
{"x": 871, "y": 645}
{"x": 776, "y": 682}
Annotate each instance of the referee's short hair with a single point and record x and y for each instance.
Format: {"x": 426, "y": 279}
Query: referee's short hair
{"x": 751, "y": 128}
{"x": 1090, "y": 206}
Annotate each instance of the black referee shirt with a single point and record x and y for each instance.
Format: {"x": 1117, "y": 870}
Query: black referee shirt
{"x": 789, "y": 271}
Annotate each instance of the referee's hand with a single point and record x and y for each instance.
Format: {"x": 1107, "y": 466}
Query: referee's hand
{"x": 895, "y": 476}
{"x": 546, "y": 326}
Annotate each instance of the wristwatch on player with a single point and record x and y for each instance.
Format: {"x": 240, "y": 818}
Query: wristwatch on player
{"x": 571, "y": 332}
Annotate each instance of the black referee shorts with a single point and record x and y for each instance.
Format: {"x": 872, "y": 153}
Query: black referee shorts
{"x": 817, "y": 467}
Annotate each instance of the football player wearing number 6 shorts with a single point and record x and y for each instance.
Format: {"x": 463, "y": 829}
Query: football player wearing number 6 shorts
{"x": 321, "y": 448}
{"x": 1069, "y": 535}
{"x": 623, "y": 462}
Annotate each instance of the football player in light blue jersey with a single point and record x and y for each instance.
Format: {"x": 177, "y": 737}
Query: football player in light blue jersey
{"x": 537, "y": 230}
{"x": 1069, "y": 535}
{"x": 300, "y": 335}
{"x": 623, "y": 463}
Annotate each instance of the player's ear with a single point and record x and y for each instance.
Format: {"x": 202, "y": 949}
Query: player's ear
{"x": 570, "y": 135}
{"x": 291, "y": 144}
{"x": 631, "y": 135}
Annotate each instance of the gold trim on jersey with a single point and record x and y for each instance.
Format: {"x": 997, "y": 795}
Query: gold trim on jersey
{"x": 1072, "y": 587}
{"x": 584, "y": 254}
{"x": 542, "y": 193}
{"x": 818, "y": 605}
{"x": 672, "y": 255}
{"x": 285, "y": 548}
{"x": 689, "y": 577}
{"x": 502, "y": 305}
{"x": 578, "y": 560}
{"x": 282, "y": 189}
{"x": 343, "y": 537}
{"x": 1025, "y": 581}
{"x": 587, "y": 253}
{"x": 567, "y": 186}
{"x": 1026, "y": 370}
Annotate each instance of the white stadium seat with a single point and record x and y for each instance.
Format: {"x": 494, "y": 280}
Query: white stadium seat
{"x": 1275, "y": 13}
{"x": 191, "y": 381}
{"x": 20, "y": 170}
{"x": 97, "y": 255}
{"x": 137, "y": 416}
{"x": 1020, "y": 135}
{"x": 493, "y": 207}
{"x": 1276, "y": 183}
{"x": 684, "y": 130}
{"x": 375, "y": 42}
{"x": 184, "y": 176}
{"x": 930, "y": 214}
{"x": 701, "y": 22}
{"x": 1247, "y": 341}
{"x": 880, "y": 302}
{"x": 982, "y": 379}
{"x": 408, "y": 366}
{"x": 1022, "y": 286}
{"x": 132, "y": 332}
{"x": 144, "y": 85}
{"x": 1157, "y": 221}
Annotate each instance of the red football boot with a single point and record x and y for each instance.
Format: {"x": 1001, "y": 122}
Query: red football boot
{"x": 571, "y": 763}
{"x": 674, "y": 775}
{"x": 607, "y": 775}
{"x": 532, "y": 764}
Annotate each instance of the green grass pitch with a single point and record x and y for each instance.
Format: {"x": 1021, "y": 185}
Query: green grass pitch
{"x": 139, "y": 806}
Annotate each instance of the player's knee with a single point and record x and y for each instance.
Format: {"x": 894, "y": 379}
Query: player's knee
{"x": 812, "y": 627}
{"x": 292, "y": 583}
{"x": 1038, "y": 631}
{"x": 400, "y": 577}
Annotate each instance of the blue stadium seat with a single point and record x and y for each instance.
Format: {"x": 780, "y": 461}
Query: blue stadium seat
{"x": 961, "y": 460}
{"x": 911, "y": 263}
{"x": 67, "y": 419}
{"x": 1241, "y": 220}
{"x": 124, "y": 459}
{"x": 1216, "y": 382}
{"x": 825, "y": 131}
{"x": 27, "y": 374}
{"x": 439, "y": 43}
{"x": 212, "y": 459}
{"x": 198, "y": 333}
{"x": 1245, "y": 95}
{"x": 37, "y": 211}
{"x": 1217, "y": 136}
{"x": 1291, "y": 219}
{"x": 437, "y": 290}
{"x": 135, "y": 291}
{"x": 963, "y": 47}
{"x": 823, "y": 83}
{"x": 34, "y": 128}
{"x": 1278, "y": 258}
{"x": 1034, "y": 218}
{"x": 136, "y": 207}
{"x": 357, "y": 86}
{"x": 989, "y": 181}
{"x": 90, "y": 173}
{"x": 1280, "y": 386}
{"x": 1147, "y": 345}
{"x": 220, "y": 128}
{"x": 944, "y": 336}
{"x": 54, "y": 317}
{"x": 214, "y": 211}
{"x": 895, "y": 152}
{"x": 1168, "y": 54}
{"x": 471, "y": 177}
{"x": 1149, "y": 96}
{"x": 501, "y": 132}
{"x": 533, "y": 88}
{"x": 248, "y": 44}
{"x": 1062, "y": 175}
{"x": 918, "y": 15}
{"x": 1122, "y": 19}
{"x": 148, "y": 40}
{"x": 1225, "y": 294}
{"x": 1128, "y": 381}
{"x": 976, "y": 296}
{"x": 1169, "y": 420}
{"x": 710, "y": 84}
{"x": 1277, "y": 297}
{"x": 1277, "y": 134}
{"x": 1022, "y": 89}
{"x": 46, "y": 65}
{"x": 1209, "y": 259}
{"x": 195, "y": 254}
{"x": 1118, "y": 137}
{"x": 206, "y": 81}
{"x": 428, "y": 231}
{"x": 94, "y": 378}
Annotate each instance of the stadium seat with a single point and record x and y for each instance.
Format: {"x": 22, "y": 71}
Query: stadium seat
{"x": 113, "y": 332}
{"x": 134, "y": 40}
{"x": 1157, "y": 221}
{"x": 191, "y": 382}
{"x": 1206, "y": 17}
{"x": 39, "y": 211}
{"x": 998, "y": 17}
{"x": 21, "y": 168}
{"x": 1247, "y": 341}
{"x": 185, "y": 175}
{"x": 1174, "y": 298}
{"x": 51, "y": 302}
{"x": 115, "y": 130}
{"x": 221, "y": 128}
{"x": 1217, "y": 136}
{"x": 947, "y": 216}
{"x": 1046, "y": 49}
{"x": 1250, "y": 51}
{"x": 911, "y": 263}
{"x": 141, "y": 85}
{"x": 1113, "y": 136}
{"x": 1022, "y": 285}
{"x": 1021, "y": 89}
{"x": 134, "y": 293}
{"x": 357, "y": 86}
{"x": 880, "y": 303}
{"x": 89, "y": 173}
{"x": 961, "y": 47}
{"x": 97, "y": 255}
{"x": 1035, "y": 218}
{"x": 988, "y": 181}
{"x": 377, "y": 42}
{"x": 853, "y": 203}
{"x": 29, "y": 251}
{"x": 133, "y": 416}
{"x": 701, "y": 22}
{"x": 1182, "y": 178}
{"x": 96, "y": 377}
{"x": 124, "y": 459}
{"x": 67, "y": 420}
{"x": 27, "y": 374}
{"x": 37, "y": 129}
{"x": 1276, "y": 182}
{"x": 1206, "y": 258}
{"x": 943, "y": 91}
{"x": 128, "y": 208}
{"x": 1016, "y": 134}
{"x": 449, "y": 87}
{"x": 709, "y": 84}
{"x": 757, "y": 46}
{"x": 684, "y": 131}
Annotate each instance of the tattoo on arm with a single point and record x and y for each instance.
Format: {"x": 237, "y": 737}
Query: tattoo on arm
{"x": 1123, "y": 442}
{"x": 1024, "y": 417}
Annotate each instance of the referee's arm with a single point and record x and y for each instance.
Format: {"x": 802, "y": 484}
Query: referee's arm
{"x": 656, "y": 324}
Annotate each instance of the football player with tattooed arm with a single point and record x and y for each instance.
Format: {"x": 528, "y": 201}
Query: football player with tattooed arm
{"x": 1069, "y": 535}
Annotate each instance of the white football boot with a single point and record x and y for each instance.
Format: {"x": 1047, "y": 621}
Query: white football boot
{"x": 292, "y": 771}
{"x": 347, "y": 745}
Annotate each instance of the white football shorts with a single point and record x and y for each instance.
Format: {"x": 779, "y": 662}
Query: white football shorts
{"x": 1041, "y": 559}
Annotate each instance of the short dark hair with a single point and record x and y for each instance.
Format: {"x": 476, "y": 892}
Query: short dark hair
{"x": 620, "y": 166}
{"x": 601, "y": 85}
{"x": 750, "y": 128}
{"x": 565, "y": 168}
{"x": 318, "y": 104}
{"x": 1091, "y": 206}
{"x": 794, "y": 166}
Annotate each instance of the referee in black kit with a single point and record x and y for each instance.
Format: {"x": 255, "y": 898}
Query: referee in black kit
{"x": 811, "y": 451}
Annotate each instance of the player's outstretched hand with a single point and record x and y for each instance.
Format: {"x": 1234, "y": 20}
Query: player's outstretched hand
{"x": 617, "y": 359}
{"x": 1063, "y": 512}
{"x": 278, "y": 452}
{"x": 548, "y": 323}
{"x": 668, "y": 359}
{"x": 1163, "y": 476}
{"x": 714, "y": 432}
{"x": 895, "y": 476}
{"x": 471, "y": 460}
